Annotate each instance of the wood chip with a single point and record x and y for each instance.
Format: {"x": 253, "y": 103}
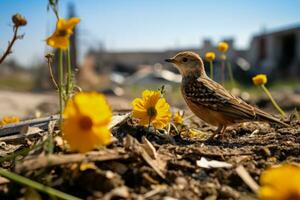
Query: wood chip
{"x": 118, "y": 119}
{"x": 117, "y": 193}
{"x": 157, "y": 164}
{"x": 3, "y": 180}
{"x": 149, "y": 148}
{"x": 245, "y": 176}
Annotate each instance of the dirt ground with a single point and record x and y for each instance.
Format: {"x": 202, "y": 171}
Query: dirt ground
{"x": 168, "y": 168}
{"x": 125, "y": 171}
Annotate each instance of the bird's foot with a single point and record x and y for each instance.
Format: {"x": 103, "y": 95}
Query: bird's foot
{"x": 212, "y": 137}
{"x": 219, "y": 133}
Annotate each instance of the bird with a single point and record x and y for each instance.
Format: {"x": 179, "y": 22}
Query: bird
{"x": 209, "y": 100}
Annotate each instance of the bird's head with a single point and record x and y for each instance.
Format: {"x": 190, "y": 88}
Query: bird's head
{"x": 188, "y": 62}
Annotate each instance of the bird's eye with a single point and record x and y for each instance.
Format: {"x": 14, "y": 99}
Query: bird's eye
{"x": 184, "y": 59}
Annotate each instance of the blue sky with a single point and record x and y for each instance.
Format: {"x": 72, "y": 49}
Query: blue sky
{"x": 146, "y": 25}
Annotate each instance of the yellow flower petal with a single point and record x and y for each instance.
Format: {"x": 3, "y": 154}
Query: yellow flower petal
{"x": 64, "y": 29}
{"x": 86, "y": 119}
{"x": 87, "y": 165}
{"x": 60, "y": 23}
{"x": 58, "y": 42}
{"x": 71, "y": 23}
{"x": 91, "y": 108}
{"x": 9, "y": 120}
{"x": 150, "y": 98}
{"x": 280, "y": 183}
{"x": 151, "y": 108}
{"x": 178, "y": 118}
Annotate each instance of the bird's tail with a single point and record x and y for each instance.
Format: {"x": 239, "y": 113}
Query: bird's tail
{"x": 263, "y": 116}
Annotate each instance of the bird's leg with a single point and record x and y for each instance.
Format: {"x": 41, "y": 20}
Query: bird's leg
{"x": 222, "y": 132}
{"x": 217, "y": 131}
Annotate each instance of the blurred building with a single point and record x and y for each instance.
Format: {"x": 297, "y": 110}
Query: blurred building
{"x": 128, "y": 62}
{"x": 277, "y": 52}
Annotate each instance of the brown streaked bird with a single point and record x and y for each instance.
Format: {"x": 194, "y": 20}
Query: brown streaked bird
{"x": 209, "y": 100}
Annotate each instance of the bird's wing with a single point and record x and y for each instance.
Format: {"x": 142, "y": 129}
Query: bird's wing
{"x": 214, "y": 96}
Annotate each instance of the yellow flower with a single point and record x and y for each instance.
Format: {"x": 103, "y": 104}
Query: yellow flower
{"x": 223, "y": 47}
{"x": 280, "y": 183}
{"x": 9, "y": 120}
{"x": 151, "y": 108}
{"x": 64, "y": 29}
{"x": 210, "y": 56}
{"x": 223, "y": 57}
{"x": 260, "y": 79}
{"x": 177, "y": 118}
{"x": 86, "y": 119}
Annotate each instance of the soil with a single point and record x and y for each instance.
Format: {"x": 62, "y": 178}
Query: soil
{"x": 130, "y": 169}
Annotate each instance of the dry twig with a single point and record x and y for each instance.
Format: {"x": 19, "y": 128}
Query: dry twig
{"x": 38, "y": 162}
{"x": 18, "y": 21}
{"x": 49, "y": 58}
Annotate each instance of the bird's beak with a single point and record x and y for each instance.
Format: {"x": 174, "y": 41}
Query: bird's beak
{"x": 170, "y": 60}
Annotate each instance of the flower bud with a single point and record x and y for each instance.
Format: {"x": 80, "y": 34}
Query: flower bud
{"x": 260, "y": 79}
{"x": 49, "y": 56}
{"x": 223, "y": 57}
{"x": 210, "y": 56}
{"x": 19, "y": 20}
{"x": 223, "y": 47}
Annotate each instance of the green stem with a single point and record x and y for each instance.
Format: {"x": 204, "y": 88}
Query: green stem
{"x": 297, "y": 114}
{"x": 60, "y": 83}
{"x": 149, "y": 124}
{"x": 22, "y": 152}
{"x": 35, "y": 185}
{"x": 50, "y": 144}
{"x": 12, "y": 156}
{"x": 230, "y": 74}
{"x": 273, "y": 101}
{"x": 69, "y": 75}
{"x": 223, "y": 72}
{"x": 211, "y": 70}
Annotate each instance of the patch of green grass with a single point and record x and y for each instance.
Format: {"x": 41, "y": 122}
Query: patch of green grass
{"x": 256, "y": 91}
{"x": 287, "y": 84}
